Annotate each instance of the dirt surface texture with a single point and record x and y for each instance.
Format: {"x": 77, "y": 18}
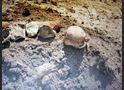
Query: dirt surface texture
{"x": 48, "y": 64}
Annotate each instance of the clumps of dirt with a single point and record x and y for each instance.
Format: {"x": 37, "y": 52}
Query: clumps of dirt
{"x": 24, "y": 13}
{"x": 96, "y": 70}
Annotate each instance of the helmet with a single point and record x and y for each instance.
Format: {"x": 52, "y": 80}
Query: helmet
{"x": 75, "y": 36}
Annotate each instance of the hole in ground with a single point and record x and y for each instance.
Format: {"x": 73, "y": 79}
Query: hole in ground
{"x": 102, "y": 73}
{"x": 26, "y": 13}
{"x": 57, "y": 29}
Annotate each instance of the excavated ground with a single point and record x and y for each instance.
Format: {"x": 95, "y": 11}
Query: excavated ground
{"x": 33, "y": 64}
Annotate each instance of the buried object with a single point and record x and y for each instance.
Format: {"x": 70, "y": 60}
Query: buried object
{"x": 76, "y": 37}
{"x": 46, "y": 32}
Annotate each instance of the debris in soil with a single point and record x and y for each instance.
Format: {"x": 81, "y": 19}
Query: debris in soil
{"x": 49, "y": 64}
{"x": 17, "y": 29}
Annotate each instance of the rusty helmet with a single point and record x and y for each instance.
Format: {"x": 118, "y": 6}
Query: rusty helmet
{"x": 75, "y": 36}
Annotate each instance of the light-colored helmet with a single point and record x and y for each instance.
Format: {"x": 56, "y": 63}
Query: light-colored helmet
{"x": 75, "y": 36}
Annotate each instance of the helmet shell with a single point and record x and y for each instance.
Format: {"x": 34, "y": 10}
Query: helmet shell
{"x": 75, "y": 36}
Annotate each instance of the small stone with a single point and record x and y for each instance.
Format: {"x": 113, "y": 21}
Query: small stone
{"x": 31, "y": 29}
{"x": 46, "y": 32}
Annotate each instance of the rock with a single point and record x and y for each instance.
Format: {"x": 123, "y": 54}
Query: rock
{"x": 31, "y": 29}
{"x": 17, "y": 31}
{"x": 46, "y": 32}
